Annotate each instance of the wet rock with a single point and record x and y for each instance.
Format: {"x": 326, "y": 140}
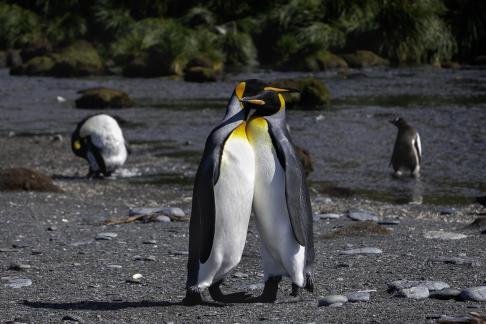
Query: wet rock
{"x": 445, "y": 294}
{"x": 363, "y": 59}
{"x": 16, "y": 283}
{"x": 78, "y": 59}
{"x": 99, "y": 98}
{"x": 21, "y": 179}
{"x": 474, "y": 294}
{"x": 332, "y": 299}
{"x": 19, "y": 267}
{"x": 418, "y": 292}
{"x": 306, "y": 160}
{"x": 362, "y": 216}
{"x": 458, "y": 261}
{"x": 313, "y": 93}
{"x": 106, "y": 236}
{"x": 72, "y": 318}
{"x": 441, "y": 235}
{"x": 363, "y": 251}
{"x": 358, "y": 296}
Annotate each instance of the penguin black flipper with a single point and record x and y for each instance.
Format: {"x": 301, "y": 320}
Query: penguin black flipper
{"x": 297, "y": 194}
{"x": 95, "y": 151}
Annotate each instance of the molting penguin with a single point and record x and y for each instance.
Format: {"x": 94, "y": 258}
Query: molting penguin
{"x": 99, "y": 140}
{"x": 221, "y": 202}
{"x": 407, "y": 152}
{"x": 281, "y": 200}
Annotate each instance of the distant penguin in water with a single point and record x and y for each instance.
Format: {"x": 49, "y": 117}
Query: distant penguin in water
{"x": 281, "y": 199}
{"x": 407, "y": 152}
{"x": 99, "y": 140}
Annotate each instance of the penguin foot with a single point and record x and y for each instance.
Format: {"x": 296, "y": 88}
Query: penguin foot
{"x": 217, "y": 295}
{"x": 269, "y": 294}
{"x": 295, "y": 290}
{"x": 309, "y": 282}
{"x": 194, "y": 298}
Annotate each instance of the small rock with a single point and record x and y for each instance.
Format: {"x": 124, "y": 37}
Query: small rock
{"x": 240, "y": 275}
{"x": 447, "y": 211}
{"x": 257, "y": 286}
{"x": 106, "y": 236}
{"x": 144, "y": 211}
{"x": 179, "y": 252}
{"x": 332, "y": 299}
{"x": 473, "y": 293}
{"x": 328, "y": 216}
{"x": 418, "y": 292}
{"x": 15, "y": 282}
{"x": 146, "y": 258}
{"x": 57, "y": 138}
{"x": 162, "y": 219}
{"x": 114, "y": 266}
{"x": 429, "y": 284}
{"x": 363, "y": 216}
{"x": 446, "y": 293}
{"x": 137, "y": 276}
{"x": 52, "y": 228}
{"x": 36, "y": 252}
{"x": 441, "y": 235}
{"x": 434, "y": 285}
{"x": 458, "y": 261}
{"x": 323, "y": 200}
{"x": 149, "y": 242}
{"x": 19, "y": 267}
{"x": 363, "y": 251}
{"x": 389, "y": 222}
{"x": 72, "y": 318}
{"x": 358, "y": 296}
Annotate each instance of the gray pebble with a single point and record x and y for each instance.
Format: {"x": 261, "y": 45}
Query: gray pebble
{"x": 473, "y": 293}
{"x": 52, "y": 228}
{"x": 446, "y": 293}
{"x": 362, "y": 216}
{"x": 106, "y": 236}
{"x": 332, "y": 299}
{"x": 448, "y": 211}
{"x": 19, "y": 267}
{"x": 73, "y": 318}
{"x": 363, "y": 251}
{"x": 458, "y": 261}
{"x": 240, "y": 275}
{"x": 15, "y": 282}
{"x": 389, "y": 222}
{"x": 328, "y": 216}
{"x": 36, "y": 252}
{"x": 162, "y": 219}
{"x": 114, "y": 266}
{"x": 149, "y": 242}
{"x": 173, "y": 212}
{"x": 434, "y": 285}
{"x": 144, "y": 211}
{"x": 429, "y": 284}
{"x": 441, "y": 235}
{"x": 133, "y": 281}
{"x": 144, "y": 258}
{"x": 418, "y": 292}
{"x": 358, "y": 296}
{"x": 323, "y": 200}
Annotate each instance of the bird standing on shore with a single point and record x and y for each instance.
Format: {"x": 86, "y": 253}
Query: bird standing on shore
{"x": 99, "y": 139}
{"x": 221, "y": 202}
{"x": 407, "y": 152}
{"x": 281, "y": 200}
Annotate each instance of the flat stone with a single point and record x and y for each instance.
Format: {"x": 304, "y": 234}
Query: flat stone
{"x": 173, "y": 212}
{"x": 144, "y": 211}
{"x": 80, "y": 243}
{"x": 358, "y": 296}
{"x": 434, "y": 285}
{"x": 458, "y": 261}
{"x": 441, "y": 235}
{"x": 73, "y": 318}
{"x": 144, "y": 258}
{"x": 444, "y": 294}
{"x": 15, "y": 282}
{"x": 149, "y": 242}
{"x": 240, "y": 275}
{"x": 162, "y": 219}
{"x": 363, "y": 251}
{"x": 106, "y": 236}
{"x": 431, "y": 285}
{"x": 332, "y": 299}
{"x": 328, "y": 216}
{"x": 52, "y": 228}
{"x": 19, "y": 267}
{"x": 474, "y": 294}
{"x": 257, "y": 286}
{"x": 390, "y": 222}
{"x": 114, "y": 266}
{"x": 448, "y": 211}
{"x": 179, "y": 252}
{"x": 418, "y": 292}
{"x": 362, "y": 216}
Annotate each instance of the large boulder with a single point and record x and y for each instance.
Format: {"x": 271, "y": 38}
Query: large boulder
{"x": 313, "y": 93}
{"x": 38, "y": 49}
{"x": 78, "y": 59}
{"x": 98, "y": 98}
{"x": 363, "y": 59}
{"x": 40, "y": 65}
{"x": 320, "y": 61}
{"x": 202, "y": 69}
{"x": 21, "y": 179}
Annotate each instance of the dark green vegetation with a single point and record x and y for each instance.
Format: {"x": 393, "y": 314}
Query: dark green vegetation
{"x": 198, "y": 38}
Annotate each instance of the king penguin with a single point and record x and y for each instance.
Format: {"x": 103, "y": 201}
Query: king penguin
{"x": 281, "y": 199}
{"x": 99, "y": 139}
{"x": 221, "y": 202}
{"x": 407, "y": 152}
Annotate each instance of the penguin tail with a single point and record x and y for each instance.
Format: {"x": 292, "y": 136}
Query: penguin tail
{"x": 309, "y": 282}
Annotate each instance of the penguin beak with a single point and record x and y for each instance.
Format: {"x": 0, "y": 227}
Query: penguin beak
{"x": 280, "y": 90}
{"x": 253, "y": 101}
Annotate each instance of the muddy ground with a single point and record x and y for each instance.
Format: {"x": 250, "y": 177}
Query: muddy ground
{"x": 75, "y": 276}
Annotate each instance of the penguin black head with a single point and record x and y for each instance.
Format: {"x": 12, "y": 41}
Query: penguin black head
{"x": 265, "y": 103}
{"x": 399, "y": 122}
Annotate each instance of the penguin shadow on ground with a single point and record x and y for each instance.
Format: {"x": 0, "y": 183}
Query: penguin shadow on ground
{"x": 99, "y": 305}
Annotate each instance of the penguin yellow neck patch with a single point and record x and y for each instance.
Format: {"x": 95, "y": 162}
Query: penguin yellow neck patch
{"x": 240, "y": 89}
{"x": 77, "y": 145}
{"x": 240, "y": 131}
{"x": 282, "y": 101}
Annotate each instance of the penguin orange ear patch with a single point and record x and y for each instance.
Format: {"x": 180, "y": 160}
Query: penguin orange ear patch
{"x": 77, "y": 145}
{"x": 240, "y": 89}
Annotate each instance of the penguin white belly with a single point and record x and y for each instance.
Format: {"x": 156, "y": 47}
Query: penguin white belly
{"x": 233, "y": 195}
{"x": 281, "y": 253}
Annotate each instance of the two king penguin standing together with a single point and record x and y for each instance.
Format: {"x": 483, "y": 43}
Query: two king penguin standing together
{"x": 249, "y": 161}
